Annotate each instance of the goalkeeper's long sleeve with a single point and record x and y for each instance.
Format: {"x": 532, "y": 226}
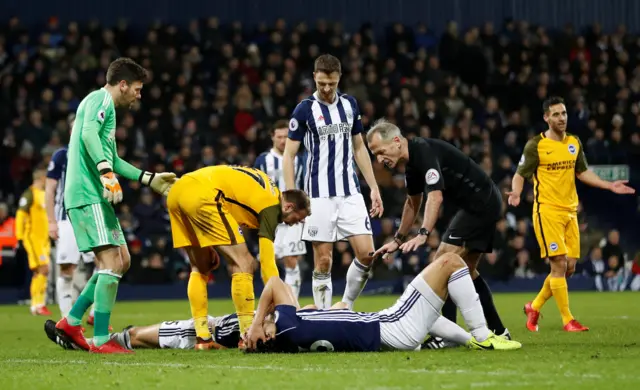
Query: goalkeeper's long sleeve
{"x": 92, "y": 143}
{"x": 123, "y": 168}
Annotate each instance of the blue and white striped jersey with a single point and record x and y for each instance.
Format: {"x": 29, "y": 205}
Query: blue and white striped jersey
{"x": 327, "y": 131}
{"x": 326, "y": 330}
{"x": 271, "y": 163}
{"x": 57, "y": 170}
{"x": 227, "y": 330}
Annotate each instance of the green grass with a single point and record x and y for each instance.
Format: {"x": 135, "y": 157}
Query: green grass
{"x": 606, "y": 357}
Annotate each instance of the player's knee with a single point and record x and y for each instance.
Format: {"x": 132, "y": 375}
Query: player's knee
{"x": 323, "y": 264}
{"x": 558, "y": 266}
{"x": 290, "y": 261}
{"x": 67, "y": 269}
{"x": 126, "y": 260}
{"x": 451, "y": 261}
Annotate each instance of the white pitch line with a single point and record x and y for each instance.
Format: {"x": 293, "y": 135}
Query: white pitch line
{"x": 425, "y": 371}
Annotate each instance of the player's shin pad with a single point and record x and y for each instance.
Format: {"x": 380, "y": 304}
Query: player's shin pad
{"x": 243, "y": 299}
{"x": 198, "y": 301}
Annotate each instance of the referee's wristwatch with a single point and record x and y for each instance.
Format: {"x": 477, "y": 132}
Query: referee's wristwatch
{"x": 423, "y": 232}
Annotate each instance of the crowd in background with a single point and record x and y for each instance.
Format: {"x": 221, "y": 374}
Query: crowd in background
{"x": 214, "y": 91}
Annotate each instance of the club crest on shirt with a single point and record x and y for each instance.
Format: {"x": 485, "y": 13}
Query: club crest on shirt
{"x": 313, "y": 230}
{"x": 101, "y": 116}
{"x": 572, "y": 149}
{"x": 553, "y": 246}
{"x": 293, "y": 124}
{"x": 116, "y": 234}
{"x": 51, "y": 166}
{"x": 432, "y": 176}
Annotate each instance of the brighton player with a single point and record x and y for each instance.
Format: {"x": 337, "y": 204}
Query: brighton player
{"x": 401, "y": 327}
{"x": 207, "y": 208}
{"x": 552, "y": 160}
{"x": 288, "y": 243}
{"x": 165, "y": 335}
{"x": 61, "y": 232}
{"x": 93, "y": 163}
{"x": 329, "y": 125}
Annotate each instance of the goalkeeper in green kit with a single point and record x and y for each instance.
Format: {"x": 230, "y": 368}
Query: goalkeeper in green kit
{"x": 92, "y": 187}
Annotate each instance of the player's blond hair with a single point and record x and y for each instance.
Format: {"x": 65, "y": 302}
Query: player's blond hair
{"x": 385, "y": 129}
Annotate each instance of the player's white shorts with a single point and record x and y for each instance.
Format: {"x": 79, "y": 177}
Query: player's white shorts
{"x": 180, "y": 334}
{"x": 289, "y": 241}
{"x": 406, "y": 324}
{"x": 66, "y": 247}
{"x": 336, "y": 218}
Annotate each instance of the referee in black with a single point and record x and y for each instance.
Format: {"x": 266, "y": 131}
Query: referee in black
{"x": 440, "y": 170}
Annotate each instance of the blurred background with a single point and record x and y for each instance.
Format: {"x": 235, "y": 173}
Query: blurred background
{"x": 471, "y": 72}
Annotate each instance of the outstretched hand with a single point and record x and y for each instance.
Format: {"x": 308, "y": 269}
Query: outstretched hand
{"x": 620, "y": 187}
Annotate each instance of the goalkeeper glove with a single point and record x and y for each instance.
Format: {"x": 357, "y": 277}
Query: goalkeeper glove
{"x": 111, "y": 189}
{"x": 159, "y": 182}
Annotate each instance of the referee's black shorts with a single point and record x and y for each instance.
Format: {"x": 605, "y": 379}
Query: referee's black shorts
{"x": 475, "y": 231}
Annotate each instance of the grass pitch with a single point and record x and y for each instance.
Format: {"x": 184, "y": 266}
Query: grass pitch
{"x": 607, "y": 357}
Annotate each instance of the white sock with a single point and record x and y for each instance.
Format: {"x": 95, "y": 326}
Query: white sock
{"x": 64, "y": 293}
{"x": 464, "y": 295}
{"x": 357, "y": 276}
{"x": 449, "y": 331}
{"x": 322, "y": 289}
{"x": 293, "y": 279}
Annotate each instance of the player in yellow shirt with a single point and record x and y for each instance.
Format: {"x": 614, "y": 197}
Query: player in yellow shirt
{"x": 207, "y": 209}
{"x": 552, "y": 160}
{"x": 32, "y": 233}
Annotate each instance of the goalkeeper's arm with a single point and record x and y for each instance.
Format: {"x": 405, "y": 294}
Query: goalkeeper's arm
{"x": 159, "y": 182}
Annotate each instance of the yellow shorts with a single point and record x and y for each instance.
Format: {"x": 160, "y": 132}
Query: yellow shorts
{"x": 38, "y": 253}
{"x": 557, "y": 233}
{"x": 199, "y": 216}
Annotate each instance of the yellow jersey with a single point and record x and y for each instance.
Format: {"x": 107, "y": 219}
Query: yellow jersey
{"x": 31, "y": 220}
{"x": 251, "y": 197}
{"x": 552, "y": 166}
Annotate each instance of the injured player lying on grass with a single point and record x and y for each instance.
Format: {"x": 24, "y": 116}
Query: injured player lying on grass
{"x": 168, "y": 334}
{"x": 279, "y": 327}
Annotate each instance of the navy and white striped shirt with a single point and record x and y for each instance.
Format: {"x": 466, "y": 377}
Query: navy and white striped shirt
{"x": 327, "y": 131}
{"x": 57, "y": 170}
{"x": 271, "y": 163}
{"x": 326, "y": 330}
{"x": 227, "y": 330}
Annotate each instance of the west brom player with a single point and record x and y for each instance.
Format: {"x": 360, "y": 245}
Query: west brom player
{"x": 60, "y": 230}
{"x": 288, "y": 244}
{"x": 165, "y": 335}
{"x": 329, "y": 125}
{"x": 401, "y": 327}
{"x": 439, "y": 169}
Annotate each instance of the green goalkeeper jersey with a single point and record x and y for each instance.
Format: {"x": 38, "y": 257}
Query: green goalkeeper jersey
{"x": 93, "y": 141}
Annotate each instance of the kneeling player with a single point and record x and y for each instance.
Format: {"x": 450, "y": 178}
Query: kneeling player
{"x": 401, "y": 327}
{"x": 207, "y": 208}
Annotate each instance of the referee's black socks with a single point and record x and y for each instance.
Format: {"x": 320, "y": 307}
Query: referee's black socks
{"x": 494, "y": 323}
